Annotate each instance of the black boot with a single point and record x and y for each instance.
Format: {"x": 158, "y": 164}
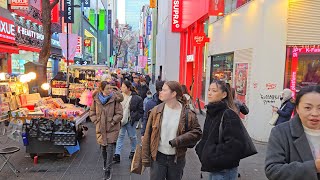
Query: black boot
{"x": 107, "y": 175}
{"x": 116, "y": 158}
{"x": 131, "y": 155}
{"x": 104, "y": 165}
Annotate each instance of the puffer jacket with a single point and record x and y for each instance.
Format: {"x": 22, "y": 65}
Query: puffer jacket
{"x": 285, "y": 111}
{"x": 136, "y": 108}
{"x": 107, "y": 118}
{"x": 152, "y": 134}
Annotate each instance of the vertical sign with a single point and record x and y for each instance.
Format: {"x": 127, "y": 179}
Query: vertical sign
{"x": 86, "y": 3}
{"x": 149, "y": 25}
{"x": 241, "y": 81}
{"x": 216, "y": 8}
{"x": 294, "y": 66}
{"x": 79, "y": 47}
{"x": 176, "y": 15}
{"x": 55, "y": 13}
{"x": 102, "y": 19}
{"x": 69, "y": 11}
{"x": 153, "y": 3}
{"x": 109, "y": 21}
{"x": 141, "y": 42}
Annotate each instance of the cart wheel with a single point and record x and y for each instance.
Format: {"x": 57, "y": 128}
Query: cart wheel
{"x": 32, "y": 155}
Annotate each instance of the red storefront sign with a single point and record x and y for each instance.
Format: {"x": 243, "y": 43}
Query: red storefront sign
{"x": 141, "y": 42}
{"x": 176, "y": 16}
{"x": 87, "y": 42}
{"x": 19, "y": 4}
{"x": 216, "y": 8}
{"x": 55, "y": 13}
{"x": 200, "y": 39}
{"x": 78, "y": 49}
{"x": 7, "y": 30}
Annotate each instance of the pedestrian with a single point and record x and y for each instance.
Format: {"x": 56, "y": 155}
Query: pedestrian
{"x": 145, "y": 101}
{"x": 187, "y": 96}
{"x": 150, "y": 105}
{"x": 241, "y": 107}
{"x": 294, "y": 146}
{"x": 166, "y": 140}
{"x": 136, "y": 81}
{"x": 106, "y": 114}
{"x": 159, "y": 79}
{"x": 143, "y": 88}
{"x": 287, "y": 106}
{"x": 133, "y": 111}
{"x": 148, "y": 79}
{"x": 220, "y": 152}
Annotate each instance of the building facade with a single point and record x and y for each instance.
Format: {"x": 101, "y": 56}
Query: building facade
{"x": 262, "y": 48}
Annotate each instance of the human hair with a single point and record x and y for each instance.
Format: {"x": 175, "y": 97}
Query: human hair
{"x": 104, "y": 84}
{"x": 306, "y": 90}
{"x": 149, "y": 92}
{"x": 174, "y": 86}
{"x": 159, "y": 85}
{"x": 142, "y": 79}
{"x": 229, "y": 98}
{"x": 129, "y": 85}
{"x": 185, "y": 90}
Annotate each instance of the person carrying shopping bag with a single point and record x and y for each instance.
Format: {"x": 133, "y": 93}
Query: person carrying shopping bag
{"x": 171, "y": 128}
{"x": 106, "y": 114}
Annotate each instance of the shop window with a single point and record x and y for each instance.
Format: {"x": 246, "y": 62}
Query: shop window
{"x": 302, "y": 67}
{"x": 222, "y": 67}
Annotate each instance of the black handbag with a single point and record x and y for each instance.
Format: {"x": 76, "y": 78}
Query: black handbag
{"x": 249, "y": 148}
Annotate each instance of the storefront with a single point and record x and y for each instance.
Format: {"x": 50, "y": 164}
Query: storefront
{"x": 29, "y": 40}
{"x": 222, "y": 68}
{"x": 55, "y": 56}
{"x": 302, "y": 66}
{"x": 7, "y": 40}
{"x": 89, "y": 43}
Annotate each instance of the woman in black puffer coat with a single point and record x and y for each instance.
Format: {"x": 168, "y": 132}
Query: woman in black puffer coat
{"x": 221, "y": 157}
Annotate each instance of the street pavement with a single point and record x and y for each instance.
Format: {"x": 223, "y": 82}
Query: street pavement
{"x": 87, "y": 163}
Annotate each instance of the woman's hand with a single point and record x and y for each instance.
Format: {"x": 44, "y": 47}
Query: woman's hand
{"x": 318, "y": 165}
{"x": 275, "y": 109}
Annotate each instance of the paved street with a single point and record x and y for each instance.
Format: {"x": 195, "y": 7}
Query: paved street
{"x": 87, "y": 164}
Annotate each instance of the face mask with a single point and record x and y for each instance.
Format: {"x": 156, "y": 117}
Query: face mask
{"x": 143, "y": 83}
{"x": 149, "y": 96}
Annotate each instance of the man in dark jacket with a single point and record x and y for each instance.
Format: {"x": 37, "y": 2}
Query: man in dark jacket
{"x": 150, "y": 105}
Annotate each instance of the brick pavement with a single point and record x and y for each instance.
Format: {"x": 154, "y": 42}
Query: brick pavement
{"x": 87, "y": 164}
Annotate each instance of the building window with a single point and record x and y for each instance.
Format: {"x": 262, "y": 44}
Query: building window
{"x": 302, "y": 67}
{"x": 222, "y": 67}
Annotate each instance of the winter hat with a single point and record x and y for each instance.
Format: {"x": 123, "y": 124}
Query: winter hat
{"x": 286, "y": 94}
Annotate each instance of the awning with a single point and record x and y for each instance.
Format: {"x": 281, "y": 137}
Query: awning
{"x": 9, "y": 49}
{"x": 29, "y": 48}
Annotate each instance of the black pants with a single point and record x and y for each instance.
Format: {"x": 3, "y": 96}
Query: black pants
{"x": 107, "y": 154}
{"x": 165, "y": 168}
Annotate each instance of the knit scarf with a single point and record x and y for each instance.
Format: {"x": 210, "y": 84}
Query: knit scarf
{"x": 104, "y": 99}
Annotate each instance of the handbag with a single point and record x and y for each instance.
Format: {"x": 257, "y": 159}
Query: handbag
{"x": 249, "y": 148}
{"x": 275, "y": 117}
{"x": 136, "y": 164}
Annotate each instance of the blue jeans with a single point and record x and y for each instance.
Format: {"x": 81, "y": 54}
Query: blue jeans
{"x": 226, "y": 174}
{"x": 132, "y": 135}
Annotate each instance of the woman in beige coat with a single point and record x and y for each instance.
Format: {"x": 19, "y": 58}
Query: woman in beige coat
{"x": 106, "y": 113}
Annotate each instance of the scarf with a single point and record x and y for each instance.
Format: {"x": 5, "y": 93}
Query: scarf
{"x": 104, "y": 99}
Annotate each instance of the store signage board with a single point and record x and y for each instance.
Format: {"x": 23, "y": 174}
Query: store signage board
{"x": 216, "y": 8}
{"x": 87, "y": 42}
{"x": 30, "y": 33}
{"x": 149, "y": 25}
{"x": 153, "y": 3}
{"x": 7, "y": 30}
{"x": 200, "y": 39}
{"x": 69, "y": 11}
{"x": 20, "y": 4}
{"x": 176, "y": 25}
{"x": 86, "y": 3}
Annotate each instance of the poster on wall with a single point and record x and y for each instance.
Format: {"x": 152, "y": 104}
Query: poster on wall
{"x": 241, "y": 76}
{"x": 20, "y": 4}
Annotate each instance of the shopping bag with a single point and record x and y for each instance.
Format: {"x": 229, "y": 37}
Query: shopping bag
{"x": 274, "y": 118}
{"x": 136, "y": 164}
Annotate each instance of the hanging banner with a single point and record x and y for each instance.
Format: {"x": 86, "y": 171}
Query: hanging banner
{"x": 79, "y": 47}
{"x": 20, "y": 4}
{"x": 216, "y": 8}
{"x": 109, "y": 21}
{"x": 153, "y": 3}
{"x": 7, "y": 30}
{"x": 200, "y": 39}
{"x": 102, "y": 19}
{"x": 73, "y": 41}
{"x": 141, "y": 42}
{"x": 4, "y": 4}
{"x": 86, "y": 3}
{"x": 149, "y": 25}
{"x": 69, "y": 11}
{"x": 54, "y": 13}
{"x": 176, "y": 16}
{"x": 36, "y": 4}
{"x": 143, "y": 60}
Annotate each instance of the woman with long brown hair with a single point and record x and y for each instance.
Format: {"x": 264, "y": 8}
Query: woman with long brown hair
{"x": 223, "y": 141}
{"x": 172, "y": 128}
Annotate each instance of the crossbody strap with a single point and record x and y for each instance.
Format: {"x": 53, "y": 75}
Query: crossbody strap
{"x": 186, "y": 125}
{"x": 221, "y": 128}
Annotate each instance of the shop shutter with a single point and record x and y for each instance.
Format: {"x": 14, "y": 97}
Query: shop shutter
{"x": 303, "y": 22}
